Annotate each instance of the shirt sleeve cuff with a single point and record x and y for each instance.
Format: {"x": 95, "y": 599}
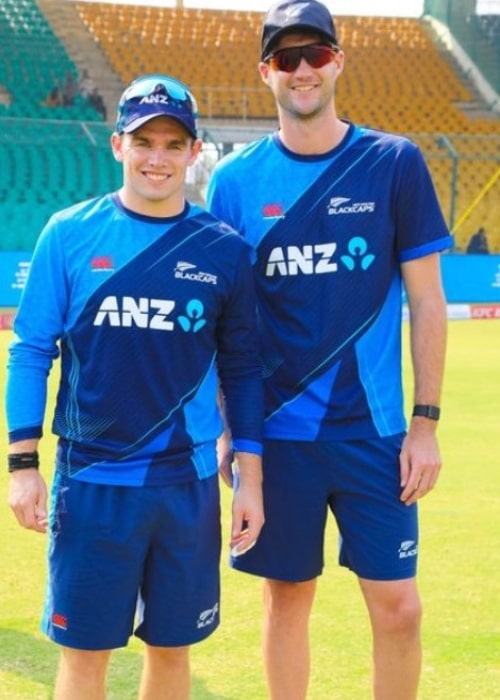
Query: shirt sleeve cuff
{"x": 25, "y": 434}
{"x": 247, "y": 446}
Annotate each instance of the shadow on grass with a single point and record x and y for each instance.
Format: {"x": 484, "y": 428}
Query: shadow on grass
{"x": 35, "y": 659}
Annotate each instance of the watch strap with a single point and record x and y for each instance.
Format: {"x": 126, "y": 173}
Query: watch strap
{"x": 427, "y": 411}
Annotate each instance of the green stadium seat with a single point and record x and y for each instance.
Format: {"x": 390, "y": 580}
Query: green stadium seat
{"x": 33, "y": 61}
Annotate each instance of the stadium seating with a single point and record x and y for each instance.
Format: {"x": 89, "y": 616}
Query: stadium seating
{"x": 48, "y": 165}
{"x": 33, "y": 62}
{"x": 395, "y": 79}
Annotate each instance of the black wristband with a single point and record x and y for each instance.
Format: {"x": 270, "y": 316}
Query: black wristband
{"x": 427, "y": 411}
{"x": 23, "y": 460}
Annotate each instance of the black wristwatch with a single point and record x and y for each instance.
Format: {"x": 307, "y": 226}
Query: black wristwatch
{"x": 426, "y": 411}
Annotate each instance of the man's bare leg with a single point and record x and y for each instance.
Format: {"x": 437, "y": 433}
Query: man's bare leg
{"x": 287, "y": 607}
{"x": 395, "y": 614}
{"x": 166, "y": 674}
{"x": 81, "y": 674}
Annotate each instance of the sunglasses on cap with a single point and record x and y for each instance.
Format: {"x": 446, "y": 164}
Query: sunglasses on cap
{"x": 154, "y": 95}
{"x": 288, "y": 59}
{"x": 142, "y": 87}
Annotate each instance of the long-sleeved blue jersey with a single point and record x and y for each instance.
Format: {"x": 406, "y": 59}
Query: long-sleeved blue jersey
{"x": 330, "y": 233}
{"x": 149, "y": 316}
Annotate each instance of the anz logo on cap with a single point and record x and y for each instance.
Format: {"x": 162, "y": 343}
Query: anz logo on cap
{"x": 162, "y": 99}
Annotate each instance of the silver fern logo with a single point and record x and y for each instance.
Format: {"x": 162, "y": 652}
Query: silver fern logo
{"x": 188, "y": 271}
{"x": 408, "y": 548}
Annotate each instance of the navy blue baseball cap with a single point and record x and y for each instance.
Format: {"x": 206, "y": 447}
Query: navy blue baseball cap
{"x": 290, "y": 15}
{"x": 153, "y": 96}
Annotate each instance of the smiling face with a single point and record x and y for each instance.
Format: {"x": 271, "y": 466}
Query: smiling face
{"x": 155, "y": 158}
{"x": 306, "y": 92}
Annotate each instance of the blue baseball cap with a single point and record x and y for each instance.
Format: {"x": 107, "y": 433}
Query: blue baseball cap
{"x": 295, "y": 15}
{"x": 153, "y": 96}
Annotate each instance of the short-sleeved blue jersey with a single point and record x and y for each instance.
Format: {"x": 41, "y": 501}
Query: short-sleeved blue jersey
{"x": 329, "y": 234}
{"x": 149, "y": 315}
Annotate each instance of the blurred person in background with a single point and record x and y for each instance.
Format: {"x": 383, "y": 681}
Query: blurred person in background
{"x": 478, "y": 243}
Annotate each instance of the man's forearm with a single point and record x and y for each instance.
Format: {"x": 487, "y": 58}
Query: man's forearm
{"x": 30, "y": 445}
{"x": 249, "y": 468}
{"x": 428, "y": 334}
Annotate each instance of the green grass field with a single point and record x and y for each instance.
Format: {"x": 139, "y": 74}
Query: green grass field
{"x": 459, "y": 573}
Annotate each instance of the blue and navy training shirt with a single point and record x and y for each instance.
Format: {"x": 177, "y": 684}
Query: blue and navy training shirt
{"x": 149, "y": 316}
{"x": 329, "y": 234}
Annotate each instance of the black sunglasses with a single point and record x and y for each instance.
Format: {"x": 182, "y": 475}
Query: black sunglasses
{"x": 288, "y": 60}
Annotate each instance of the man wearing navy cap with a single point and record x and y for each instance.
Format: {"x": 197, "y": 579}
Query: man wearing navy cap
{"x": 150, "y": 302}
{"x": 339, "y": 217}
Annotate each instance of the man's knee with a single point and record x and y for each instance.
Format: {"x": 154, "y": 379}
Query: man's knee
{"x": 394, "y": 606}
{"x": 403, "y": 617}
{"x": 284, "y": 597}
{"x": 84, "y": 668}
{"x": 171, "y": 657}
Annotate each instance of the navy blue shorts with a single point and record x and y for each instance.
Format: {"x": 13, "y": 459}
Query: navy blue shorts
{"x": 359, "y": 482}
{"x": 133, "y": 560}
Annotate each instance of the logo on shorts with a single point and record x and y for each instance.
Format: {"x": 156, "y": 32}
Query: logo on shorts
{"x": 408, "y": 548}
{"x": 60, "y": 621}
{"x": 207, "y": 617}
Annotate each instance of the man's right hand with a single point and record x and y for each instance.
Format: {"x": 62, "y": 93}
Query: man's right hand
{"x": 28, "y": 499}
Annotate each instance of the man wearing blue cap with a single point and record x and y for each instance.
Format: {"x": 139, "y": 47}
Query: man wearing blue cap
{"x": 150, "y": 302}
{"x": 339, "y": 217}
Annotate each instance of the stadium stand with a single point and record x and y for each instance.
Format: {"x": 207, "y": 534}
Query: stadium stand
{"x": 48, "y": 165}
{"x": 399, "y": 78}
{"x": 215, "y": 53}
{"x": 34, "y": 61}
